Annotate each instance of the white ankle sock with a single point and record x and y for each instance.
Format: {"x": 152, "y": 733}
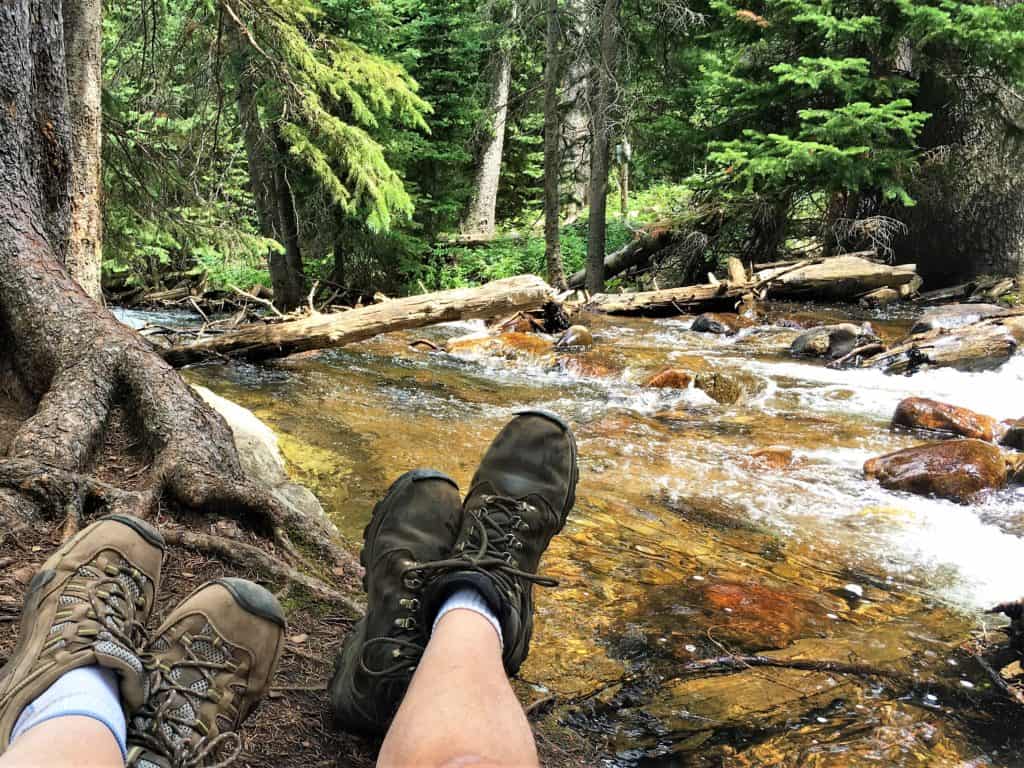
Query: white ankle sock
{"x": 85, "y": 692}
{"x": 471, "y": 600}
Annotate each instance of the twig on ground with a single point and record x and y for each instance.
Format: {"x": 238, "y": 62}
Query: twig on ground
{"x": 257, "y": 299}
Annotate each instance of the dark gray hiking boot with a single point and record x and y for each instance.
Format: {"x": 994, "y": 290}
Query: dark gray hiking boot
{"x": 414, "y": 524}
{"x": 520, "y": 498}
{"x": 87, "y": 605}
{"x": 210, "y": 663}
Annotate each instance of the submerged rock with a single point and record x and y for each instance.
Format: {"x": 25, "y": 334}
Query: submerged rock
{"x": 934, "y": 416}
{"x": 1014, "y": 435}
{"x": 955, "y": 316}
{"x": 670, "y": 378}
{"x": 725, "y": 323}
{"x": 722, "y": 387}
{"x": 508, "y": 344}
{"x": 772, "y": 456}
{"x": 958, "y": 469}
{"x": 832, "y": 341}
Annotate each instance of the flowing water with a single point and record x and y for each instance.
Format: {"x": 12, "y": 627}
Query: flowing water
{"x": 681, "y": 547}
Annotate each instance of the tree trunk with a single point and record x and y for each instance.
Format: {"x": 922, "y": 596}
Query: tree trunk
{"x": 633, "y": 254}
{"x": 575, "y": 128}
{"x": 969, "y": 217}
{"x": 607, "y": 29}
{"x": 82, "y": 38}
{"x": 842, "y": 278}
{"x": 262, "y": 341}
{"x": 480, "y": 220}
{"x": 70, "y": 366}
{"x": 552, "y": 159}
{"x": 275, "y": 208}
{"x": 625, "y": 155}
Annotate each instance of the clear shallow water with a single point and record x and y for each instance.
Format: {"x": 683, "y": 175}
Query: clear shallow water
{"x": 681, "y": 548}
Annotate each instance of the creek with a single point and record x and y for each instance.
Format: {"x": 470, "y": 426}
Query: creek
{"x": 681, "y": 547}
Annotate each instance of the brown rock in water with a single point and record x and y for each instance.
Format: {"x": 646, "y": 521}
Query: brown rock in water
{"x": 720, "y": 387}
{"x": 958, "y": 469}
{"x": 931, "y": 415}
{"x": 831, "y": 341}
{"x": 1014, "y": 435}
{"x": 726, "y": 323}
{"x": 756, "y": 615}
{"x": 576, "y": 336}
{"x": 772, "y": 457}
{"x": 670, "y": 378}
{"x": 582, "y": 365}
{"x": 880, "y": 297}
{"x": 1014, "y": 467}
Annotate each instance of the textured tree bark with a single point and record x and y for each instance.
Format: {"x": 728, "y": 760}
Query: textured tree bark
{"x": 275, "y": 207}
{"x": 552, "y": 155}
{"x": 480, "y": 219}
{"x": 575, "y": 128}
{"x": 263, "y": 341}
{"x": 607, "y": 31}
{"x": 67, "y": 359}
{"x": 671, "y": 301}
{"x": 969, "y": 217}
{"x": 843, "y": 278}
{"x": 82, "y": 40}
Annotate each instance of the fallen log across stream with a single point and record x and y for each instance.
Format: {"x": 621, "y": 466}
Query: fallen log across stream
{"x": 692, "y": 299}
{"x": 262, "y": 341}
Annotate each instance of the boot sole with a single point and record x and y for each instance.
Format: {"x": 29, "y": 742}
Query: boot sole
{"x": 379, "y": 512}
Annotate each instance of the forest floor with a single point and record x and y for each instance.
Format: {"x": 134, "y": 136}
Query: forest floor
{"x": 292, "y": 728}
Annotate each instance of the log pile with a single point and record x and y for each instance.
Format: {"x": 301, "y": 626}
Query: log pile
{"x": 261, "y": 341}
{"x": 980, "y": 346}
{"x": 840, "y": 278}
{"x": 691, "y": 299}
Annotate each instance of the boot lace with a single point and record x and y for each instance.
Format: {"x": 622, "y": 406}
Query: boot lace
{"x": 170, "y": 723}
{"x": 492, "y": 544}
{"x": 115, "y": 595}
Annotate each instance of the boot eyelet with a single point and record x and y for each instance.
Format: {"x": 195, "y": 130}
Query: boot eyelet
{"x": 412, "y": 583}
{"x": 411, "y": 603}
{"x": 406, "y": 623}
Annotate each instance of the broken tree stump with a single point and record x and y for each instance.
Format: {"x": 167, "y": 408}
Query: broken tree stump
{"x": 320, "y": 331}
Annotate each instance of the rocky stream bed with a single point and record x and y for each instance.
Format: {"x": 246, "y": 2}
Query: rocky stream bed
{"x": 730, "y": 516}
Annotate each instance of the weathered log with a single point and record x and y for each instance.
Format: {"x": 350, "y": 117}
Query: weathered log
{"x": 320, "y": 331}
{"x": 842, "y": 278}
{"x": 633, "y": 254}
{"x": 984, "y": 345}
{"x": 670, "y": 301}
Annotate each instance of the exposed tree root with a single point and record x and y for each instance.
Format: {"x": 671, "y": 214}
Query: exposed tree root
{"x": 248, "y": 556}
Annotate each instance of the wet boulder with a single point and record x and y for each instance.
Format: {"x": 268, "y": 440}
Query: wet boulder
{"x": 723, "y": 323}
{"x": 955, "y": 316}
{"x": 934, "y": 416}
{"x": 960, "y": 470}
{"x": 575, "y": 336}
{"x": 832, "y": 341}
{"x": 670, "y": 378}
{"x": 721, "y": 387}
{"x": 1014, "y": 435}
{"x": 583, "y": 365}
{"x": 880, "y": 297}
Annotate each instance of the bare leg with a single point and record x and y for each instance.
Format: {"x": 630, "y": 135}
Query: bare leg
{"x": 460, "y": 710}
{"x": 65, "y": 742}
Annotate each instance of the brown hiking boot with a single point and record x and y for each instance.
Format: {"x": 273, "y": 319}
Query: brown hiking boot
{"x": 211, "y": 662}
{"x": 414, "y": 524}
{"x": 87, "y": 605}
{"x": 520, "y": 498}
